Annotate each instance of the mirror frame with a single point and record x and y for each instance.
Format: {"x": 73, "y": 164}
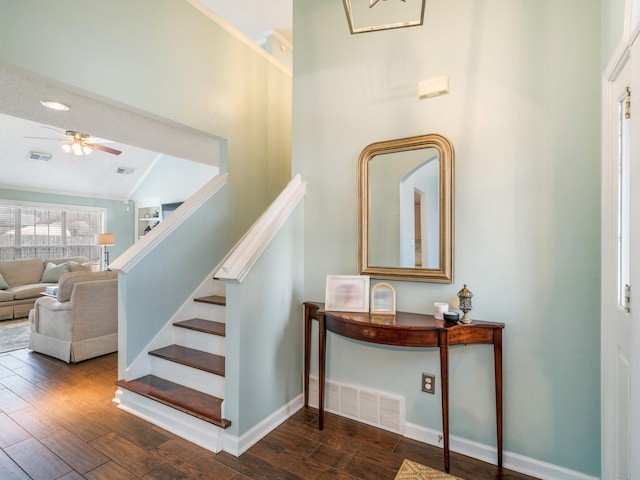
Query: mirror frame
{"x": 443, "y": 274}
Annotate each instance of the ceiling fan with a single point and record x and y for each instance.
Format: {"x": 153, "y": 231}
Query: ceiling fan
{"x": 79, "y": 143}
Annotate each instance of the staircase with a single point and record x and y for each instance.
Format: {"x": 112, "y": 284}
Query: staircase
{"x": 188, "y": 375}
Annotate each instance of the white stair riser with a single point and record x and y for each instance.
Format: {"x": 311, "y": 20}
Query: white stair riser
{"x": 200, "y": 341}
{"x": 187, "y": 426}
{"x": 204, "y": 382}
{"x": 208, "y": 311}
{"x": 219, "y": 288}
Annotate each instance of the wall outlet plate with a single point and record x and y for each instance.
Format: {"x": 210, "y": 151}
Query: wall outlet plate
{"x": 428, "y": 383}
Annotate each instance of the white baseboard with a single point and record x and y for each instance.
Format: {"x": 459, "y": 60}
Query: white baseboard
{"x": 238, "y": 445}
{"x": 486, "y": 453}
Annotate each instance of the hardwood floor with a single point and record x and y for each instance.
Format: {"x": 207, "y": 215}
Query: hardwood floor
{"x": 58, "y": 421}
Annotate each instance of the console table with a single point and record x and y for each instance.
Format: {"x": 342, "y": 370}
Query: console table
{"x": 404, "y": 330}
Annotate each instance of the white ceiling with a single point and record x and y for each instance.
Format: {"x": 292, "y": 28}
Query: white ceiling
{"x": 92, "y": 175}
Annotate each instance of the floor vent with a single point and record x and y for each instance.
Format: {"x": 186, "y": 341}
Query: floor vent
{"x": 44, "y": 157}
{"x": 379, "y": 409}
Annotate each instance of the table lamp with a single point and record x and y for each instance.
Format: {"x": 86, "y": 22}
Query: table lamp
{"x": 105, "y": 240}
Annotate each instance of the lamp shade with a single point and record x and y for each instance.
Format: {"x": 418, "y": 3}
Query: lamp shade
{"x": 106, "y": 239}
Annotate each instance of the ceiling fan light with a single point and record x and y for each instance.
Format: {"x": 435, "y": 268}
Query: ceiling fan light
{"x": 87, "y": 149}
{"x": 66, "y": 147}
{"x": 77, "y": 149}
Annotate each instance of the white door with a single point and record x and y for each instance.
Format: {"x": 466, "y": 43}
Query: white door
{"x": 632, "y": 328}
{"x": 621, "y": 271}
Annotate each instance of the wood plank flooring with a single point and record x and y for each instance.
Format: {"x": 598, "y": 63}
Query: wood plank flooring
{"x": 58, "y": 421}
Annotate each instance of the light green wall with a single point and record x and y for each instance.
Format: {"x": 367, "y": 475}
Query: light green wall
{"x": 264, "y": 342}
{"x": 612, "y": 25}
{"x": 523, "y": 116}
{"x": 160, "y": 284}
{"x": 167, "y": 58}
{"x": 119, "y": 215}
{"x": 175, "y": 63}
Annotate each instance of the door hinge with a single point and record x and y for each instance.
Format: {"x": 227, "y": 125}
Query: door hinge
{"x": 627, "y": 104}
{"x": 627, "y": 298}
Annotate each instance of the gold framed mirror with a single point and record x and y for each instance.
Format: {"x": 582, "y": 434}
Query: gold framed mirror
{"x": 405, "y": 209}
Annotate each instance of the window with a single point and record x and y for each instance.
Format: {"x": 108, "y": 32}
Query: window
{"x": 624, "y": 202}
{"x": 47, "y": 231}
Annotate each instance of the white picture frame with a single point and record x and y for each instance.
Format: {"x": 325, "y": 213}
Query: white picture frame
{"x": 347, "y": 293}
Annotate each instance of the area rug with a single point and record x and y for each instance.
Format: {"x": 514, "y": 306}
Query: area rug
{"x": 414, "y": 471}
{"x": 14, "y": 334}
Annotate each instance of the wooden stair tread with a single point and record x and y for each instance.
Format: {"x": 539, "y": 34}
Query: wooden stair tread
{"x": 201, "y": 325}
{"x": 187, "y": 400}
{"x": 212, "y": 299}
{"x": 208, "y": 362}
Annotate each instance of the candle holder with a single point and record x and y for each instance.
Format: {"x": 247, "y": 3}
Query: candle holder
{"x": 464, "y": 297}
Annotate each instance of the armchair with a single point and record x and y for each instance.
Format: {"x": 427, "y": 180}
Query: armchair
{"x": 81, "y": 322}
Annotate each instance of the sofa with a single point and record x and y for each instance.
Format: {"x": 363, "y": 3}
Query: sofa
{"x": 23, "y": 281}
{"x": 81, "y": 321}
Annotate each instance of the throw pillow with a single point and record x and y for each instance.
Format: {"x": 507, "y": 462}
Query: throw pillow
{"x": 3, "y": 284}
{"x": 53, "y": 272}
{"x": 79, "y": 267}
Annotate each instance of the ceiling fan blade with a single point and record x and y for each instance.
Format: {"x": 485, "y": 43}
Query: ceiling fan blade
{"x": 103, "y": 148}
{"x": 49, "y": 138}
{"x": 62, "y": 134}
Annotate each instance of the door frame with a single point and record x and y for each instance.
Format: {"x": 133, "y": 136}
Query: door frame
{"x": 620, "y": 59}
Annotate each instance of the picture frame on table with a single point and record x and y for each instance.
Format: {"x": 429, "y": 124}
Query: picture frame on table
{"x": 347, "y": 293}
{"x": 383, "y": 299}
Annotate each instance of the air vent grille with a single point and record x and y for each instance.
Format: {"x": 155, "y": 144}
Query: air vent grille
{"x": 124, "y": 170}
{"x": 44, "y": 157}
{"x": 379, "y": 409}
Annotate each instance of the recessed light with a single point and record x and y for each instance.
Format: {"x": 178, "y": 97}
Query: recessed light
{"x": 61, "y": 107}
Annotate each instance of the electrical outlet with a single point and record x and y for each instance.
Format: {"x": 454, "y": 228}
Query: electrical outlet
{"x": 428, "y": 383}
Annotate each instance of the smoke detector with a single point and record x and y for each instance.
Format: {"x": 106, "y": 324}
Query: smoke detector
{"x": 45, "y": 157}
{"x": 124, "y": 170}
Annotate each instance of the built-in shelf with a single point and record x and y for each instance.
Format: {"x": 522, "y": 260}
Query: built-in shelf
{"x": 148, "y": 215}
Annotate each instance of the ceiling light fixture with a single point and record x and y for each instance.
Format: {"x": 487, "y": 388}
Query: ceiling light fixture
{"x": 386, "y": 15}
{"x": 60, "y": 107}
{"x": 77, "y": 144}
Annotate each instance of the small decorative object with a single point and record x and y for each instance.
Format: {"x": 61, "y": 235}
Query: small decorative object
{"x": 464, "y": 297}
{"x": 156, "y": 214}
{"x": 146, "y": 215}
{"x": 439, "y": 308}
{"x": 383, "y": 299}
{"x": 451, "y": 317}
{"x": 347, "y": 293}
